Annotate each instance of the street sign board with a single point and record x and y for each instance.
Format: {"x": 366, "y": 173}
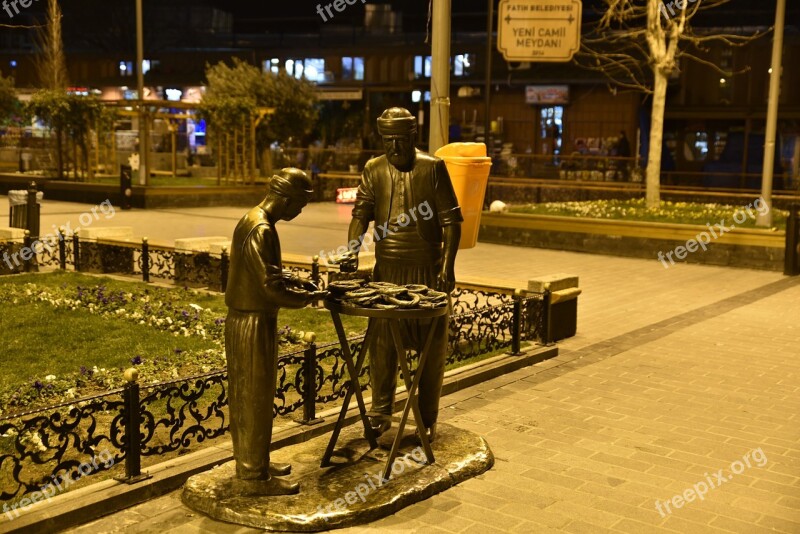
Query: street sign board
{"x": 539, "y": 30}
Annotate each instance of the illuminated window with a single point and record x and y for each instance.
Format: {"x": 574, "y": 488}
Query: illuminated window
{"x": 126, "y": 68}
{"x": 417, "y": 96}
{"x": 173, "y": 95}
{"x": 271, "y": 65}
{"x": 294, "y": 67}
{"x": 422, "y": 66}
{"x": 314, "y": 69}
{"x": 352, "y": 68}
{"x": 462, "y": 64}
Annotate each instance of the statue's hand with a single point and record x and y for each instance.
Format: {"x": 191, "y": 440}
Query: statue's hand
{"x": 308, "y": 285}
{"x": 446, "y": 281}
{"x": 347, "y": 262}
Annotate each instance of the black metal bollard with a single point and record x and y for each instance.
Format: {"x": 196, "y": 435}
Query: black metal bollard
{"x": 145, "y": 260}
{"x": 133, "y": 438}
{"x": 27, "y": 252}
{"x": 62, "y": 250}
{"x": 310, "y": 381}
{"x": 516, "y": 325}
{"x": 546, "y": 317}
{"x": 76, "y": 251}
{"x": 33, "y": 212}
{"x": 224, "y": 264}
{"x": 791, "y": 263}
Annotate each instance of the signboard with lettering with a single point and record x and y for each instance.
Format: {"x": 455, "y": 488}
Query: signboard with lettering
{"x": 340, "y": 94}
{"x": 539, "y": 30}
{"x": 346, "y": 195}
{"x": 547, "y": 94}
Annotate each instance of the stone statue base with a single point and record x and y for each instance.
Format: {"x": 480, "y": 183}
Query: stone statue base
{"x": 349, "y": 493}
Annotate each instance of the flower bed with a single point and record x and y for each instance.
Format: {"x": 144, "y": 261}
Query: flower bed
{"x": 187, "y": 326}
{"x": 637, "y": 210}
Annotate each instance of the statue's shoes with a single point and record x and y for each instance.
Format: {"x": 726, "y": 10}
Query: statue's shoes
{"x": 278, "y": 469}
{"x": 264, "y": 488}
{"x": 430, "y": 431}
{"x": 380, "y": 424}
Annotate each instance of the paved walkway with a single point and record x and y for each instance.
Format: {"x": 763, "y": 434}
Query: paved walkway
{"x": 674, "y": 375}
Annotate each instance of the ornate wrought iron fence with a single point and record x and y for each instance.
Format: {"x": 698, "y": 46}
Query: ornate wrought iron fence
{"x": 51, "y": 447}
{"x": 41, "y": 446}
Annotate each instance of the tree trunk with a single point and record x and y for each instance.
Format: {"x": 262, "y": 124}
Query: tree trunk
{"x": 656, "y": 141}
{"x": 59, "y": 154}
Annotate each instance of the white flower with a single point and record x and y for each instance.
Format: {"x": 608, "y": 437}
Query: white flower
{"x": 196, "y": 307}
{"x": 50, "y": 378}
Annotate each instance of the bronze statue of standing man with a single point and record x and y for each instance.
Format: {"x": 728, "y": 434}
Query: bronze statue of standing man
{"x": 257, "y": 288}
{"x": 408, "y": 195}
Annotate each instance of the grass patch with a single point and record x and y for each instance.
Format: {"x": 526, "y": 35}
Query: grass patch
{"x": 39, "y": 340}
{"x": 68, "y": 335}
{"x": 668, "y": 212}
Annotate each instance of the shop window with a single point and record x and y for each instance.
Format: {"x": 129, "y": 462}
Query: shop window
{"x": 551, "y": 128}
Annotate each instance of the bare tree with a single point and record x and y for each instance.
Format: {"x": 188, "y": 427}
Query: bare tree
{"x": 50, "y": 64}
{"x": 52, "y": 69}
{"x": 639, "y": 44}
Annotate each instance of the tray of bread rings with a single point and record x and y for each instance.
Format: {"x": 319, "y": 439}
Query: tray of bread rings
{"x": 385, "y": 300}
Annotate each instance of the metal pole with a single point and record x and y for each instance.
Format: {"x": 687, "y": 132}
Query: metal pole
{"x": 145, "y": 260}
{"x": 516, "y": 325}
{"x": 76, "y": 251}
{"x": 440, "y": 76}
{"x": 791, "y": 264}
{"x": 772, "y": 114}
{"x": 487, "y": 120}
{"x": 144, "y": 137}
{"x": 132, "y": 419}
{"x": 62, "y": 249}
{"x": 310, "y": 383}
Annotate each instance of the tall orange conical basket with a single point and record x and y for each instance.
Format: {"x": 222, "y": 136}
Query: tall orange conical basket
{"x": 469, "y": 169}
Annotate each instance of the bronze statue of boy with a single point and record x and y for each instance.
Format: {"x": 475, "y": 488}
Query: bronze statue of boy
{"x": 257, "y": 288}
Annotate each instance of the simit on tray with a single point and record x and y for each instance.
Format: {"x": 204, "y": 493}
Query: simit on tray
{"x": 385, "y": 296}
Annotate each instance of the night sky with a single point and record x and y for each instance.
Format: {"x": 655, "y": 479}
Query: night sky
{"x": 250, "y": 13}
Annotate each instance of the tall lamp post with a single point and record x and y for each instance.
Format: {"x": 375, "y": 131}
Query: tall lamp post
{"x": 440, "y": 76}
{"x": 144, "y": 131}
{"x": 772, "y": 114}
{"x": 487, "y": 120}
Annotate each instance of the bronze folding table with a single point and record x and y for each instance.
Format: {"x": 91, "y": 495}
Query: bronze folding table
{"x": 394, "y": 317}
